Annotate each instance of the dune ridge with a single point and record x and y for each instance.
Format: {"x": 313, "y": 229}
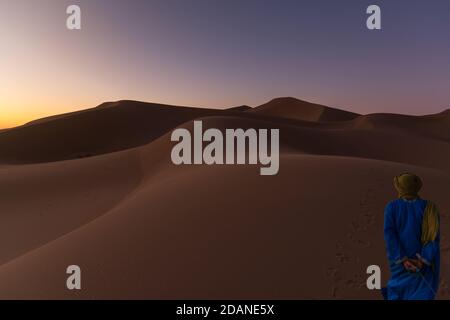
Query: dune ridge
{"x": 298, "y": 109}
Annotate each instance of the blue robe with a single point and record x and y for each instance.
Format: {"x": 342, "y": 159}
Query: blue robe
{"x": 402, "y": 233}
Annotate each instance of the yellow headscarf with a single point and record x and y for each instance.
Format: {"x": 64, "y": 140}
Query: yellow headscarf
{"x": 408, "y": 186}
{"x": 430, "y": 223}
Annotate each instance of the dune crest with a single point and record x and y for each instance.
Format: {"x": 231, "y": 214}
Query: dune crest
{"x": 302, "y": 110}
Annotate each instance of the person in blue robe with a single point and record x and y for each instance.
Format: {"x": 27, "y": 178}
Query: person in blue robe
{"x": 411, "y": 233}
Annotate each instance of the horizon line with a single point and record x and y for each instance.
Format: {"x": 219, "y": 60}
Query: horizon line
{"x": 206, "y": 107}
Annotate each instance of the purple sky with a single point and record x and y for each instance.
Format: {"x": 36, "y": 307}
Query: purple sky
{"x": 221, "y": 53}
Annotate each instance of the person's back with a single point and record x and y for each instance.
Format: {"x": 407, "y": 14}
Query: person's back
{"x": 411, "y": 231}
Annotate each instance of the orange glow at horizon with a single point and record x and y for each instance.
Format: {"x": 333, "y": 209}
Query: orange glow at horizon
{"x": 16, "y": 114}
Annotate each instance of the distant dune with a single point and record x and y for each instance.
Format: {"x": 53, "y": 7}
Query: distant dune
{"x": 302, "y": 110}
{"x": 97, "y": 188}
{"x": 101, "y": 130}
{"x": 240, "y": 108}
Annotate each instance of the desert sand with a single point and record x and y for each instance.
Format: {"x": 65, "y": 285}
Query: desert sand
{"x": 97, "y": 188}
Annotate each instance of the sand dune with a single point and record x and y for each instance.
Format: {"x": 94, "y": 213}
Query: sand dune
{"x": 101, "y": 130}
{"x": 141, "y": 227}
{"x": 110, "y": 127}
{"x": 302, "y": 110}
{"x": 240, "y": 108}
{"x": 429, "y": 126}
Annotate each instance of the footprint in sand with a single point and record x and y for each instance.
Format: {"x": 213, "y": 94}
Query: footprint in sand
{"x": 357, "y": 230}
{"x": 356, "y": 282}
{"x": 343, "y": 258}
{"x": 336, "y": 278}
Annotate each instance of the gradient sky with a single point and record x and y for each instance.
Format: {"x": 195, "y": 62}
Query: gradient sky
{"x": 221, "y": 53}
